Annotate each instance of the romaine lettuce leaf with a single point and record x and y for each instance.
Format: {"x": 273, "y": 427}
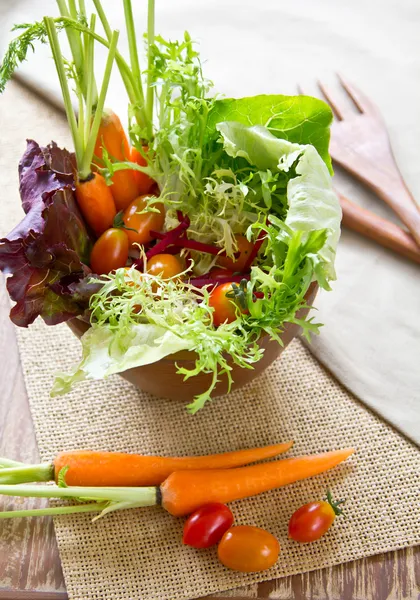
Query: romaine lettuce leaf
{"x": 104, "y": 353}
{"x": 298, "y": 119}
{"x": 312, "y": 203}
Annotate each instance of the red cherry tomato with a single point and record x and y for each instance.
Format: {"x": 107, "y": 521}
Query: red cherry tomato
{"x": 142, "y": 223}
{"x": 237, "y": 264}
{"x": 206, "y": 526}
{"x": 143, "y": 181}
{"x": 164, "y": 265}
{"x": 109, "y": 252}
{"x": 312, "y": 521}
{"x": 248, "y": 549}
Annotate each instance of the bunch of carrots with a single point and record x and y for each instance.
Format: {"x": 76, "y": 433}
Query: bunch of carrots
{"x": 109, "y": 481}
{"x": 116, "y": 210}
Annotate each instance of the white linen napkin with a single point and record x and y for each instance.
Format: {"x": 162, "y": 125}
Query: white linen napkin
{"x": 371, "y": 337}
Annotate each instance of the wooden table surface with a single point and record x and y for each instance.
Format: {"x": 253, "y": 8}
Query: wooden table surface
{"x": 29, "y": 560}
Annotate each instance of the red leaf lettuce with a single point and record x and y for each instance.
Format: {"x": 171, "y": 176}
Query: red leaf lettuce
{"x": 49, "y": 249}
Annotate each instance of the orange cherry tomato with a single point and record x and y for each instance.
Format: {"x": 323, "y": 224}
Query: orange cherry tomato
{"x": 248, "y": 549}
{"x": 225, "y": 307}
{"x": 311, "y": 521}
{"x": 142, "y": 223}
{"x": 165, "y": 266}
{"x": 109, "y": 252}
{"x": 144, "y": 182}
{"x": 237, "y": 264}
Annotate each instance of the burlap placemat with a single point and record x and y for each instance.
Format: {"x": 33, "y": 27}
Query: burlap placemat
{"x": 137, "y": 554}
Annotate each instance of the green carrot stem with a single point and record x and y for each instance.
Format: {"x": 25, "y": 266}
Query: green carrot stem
{"x": 150, "y": 42}
{"x": 132, "y": 44}
{"x": 56, "y": 510}
{"x": 104, "y": 20}
{"x": 141, "y": 496}
{"x": 90, "y": 146}
{"x": 90, "y": 79}
{"x": 89, "y": 50}
{"x": 80, "y": 115}
{"x": 122, "y": 65}
{"x": 140, "y": 110}
{"x": 125, "y": 166}
{"x": 27, "y": 474}
{"x": 73, "y": 9}
{"x": 74, "y": 40}
{"x": 59, "y": 63}
{"x": 6, "y": 463}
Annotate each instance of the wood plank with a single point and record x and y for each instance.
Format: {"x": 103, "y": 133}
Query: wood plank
{"x": 28, "y": 551}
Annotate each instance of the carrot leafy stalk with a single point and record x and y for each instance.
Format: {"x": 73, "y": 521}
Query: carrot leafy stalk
{"x": 92, "y": 193}
{"x": 183, "y": 491}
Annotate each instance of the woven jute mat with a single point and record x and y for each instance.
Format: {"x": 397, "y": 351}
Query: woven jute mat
{"x": 138, "y": 553}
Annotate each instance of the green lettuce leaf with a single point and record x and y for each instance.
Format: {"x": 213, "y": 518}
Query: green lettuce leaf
{"x": 298, "y": 119}
{"x": 104, "y": 354}
{"x": 312, "y": 203}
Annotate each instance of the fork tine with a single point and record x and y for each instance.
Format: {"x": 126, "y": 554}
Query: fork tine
{"x": 361, "y": 101}
{"x": 300, "y": 90}
{"x": 340, "y": 109}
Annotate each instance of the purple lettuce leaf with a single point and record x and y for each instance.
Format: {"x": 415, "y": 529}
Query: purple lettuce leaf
{"x": 51, "y": 244}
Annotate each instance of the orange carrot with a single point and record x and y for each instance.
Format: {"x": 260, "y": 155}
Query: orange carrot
{"x": 180, "y": 494}
{"x": 185, "y": 491}
{"x": 117, "y": 469}
{"x": 144, "y": 182}
{"x": 112, "y": 136}
{"x": 96, "y": 202}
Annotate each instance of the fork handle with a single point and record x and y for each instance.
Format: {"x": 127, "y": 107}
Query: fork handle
{"x": 380, "y": 230}
{"x": 399, "y": 198}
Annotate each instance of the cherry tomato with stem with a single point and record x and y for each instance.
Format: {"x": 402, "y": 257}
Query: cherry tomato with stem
{"x": 226, "y": 299}
{"x": 165, "y": 266}
{"x": 311, "y": 521}
{"x": 139, "y": 224}
{"x": 248, "y": 549}
{"x": 237, "y": 264}
{"x": 109, "y": 252}
{"x": 205, "y": 526}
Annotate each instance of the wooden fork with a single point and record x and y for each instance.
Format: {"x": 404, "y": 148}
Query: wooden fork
{"x": 379, "y": 230}
{"x": 361, "y": 145}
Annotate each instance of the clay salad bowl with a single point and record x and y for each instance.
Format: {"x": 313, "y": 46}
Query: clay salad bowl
{"x": 161, "y": 378}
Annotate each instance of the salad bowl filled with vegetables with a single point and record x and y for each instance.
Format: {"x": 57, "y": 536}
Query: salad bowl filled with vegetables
{"x": 186, "y": 254}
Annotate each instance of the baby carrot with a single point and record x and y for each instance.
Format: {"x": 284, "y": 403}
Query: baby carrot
{"x": 144, "y": 182}
{"x": 111, "y": 469}
{"x": 112, "y": 137}
{"x": 185, "y": 491}
{"x": 118, "y": 469}
{"x": 96, "y": 202}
